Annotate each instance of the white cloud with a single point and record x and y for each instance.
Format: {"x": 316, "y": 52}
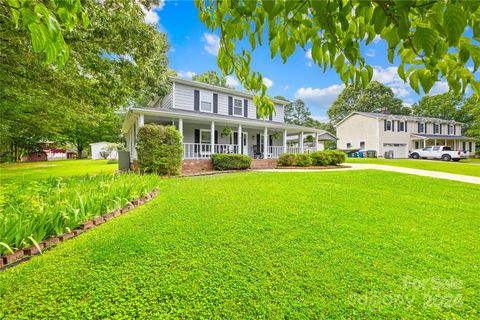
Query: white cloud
{"x": 232, "y": 81}
{"x": 267, "y": 82}
{"x": 438, "y": 88}
{"x": 389, "y": 77}
{"x": 308, "y": 54}
{"x": 151, "y": 17}
{"x": 370, "y": 53}
{"x": 377, "y": 39}
{"x": 407, "y": 104}
{"x": 319, "y": 97}
{"x": 186, "y": 74}
{"x": 212, "y": 43}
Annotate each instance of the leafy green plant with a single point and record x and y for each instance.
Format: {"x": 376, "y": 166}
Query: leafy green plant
{"x": 159, "y": 149}
{"x": 231, "y": 161}
{"x": 226, "y": 132}
{"x": 33, "y": 211}
{"x": 327, "y": 158}
{"x": 286, "y": 159}
{"x": 303, "y": 160}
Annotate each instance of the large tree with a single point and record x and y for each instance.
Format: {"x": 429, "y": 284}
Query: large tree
{"x": 211, "y": 77}
{"x": 114, "y": 62}
{"x": 297, "y": 113}
{"x": 374, "y": 98}
{"x": 444, "y": 106}
{"x": 427, "y": 37}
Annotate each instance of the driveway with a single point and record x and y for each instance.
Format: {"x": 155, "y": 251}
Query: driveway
{"x": 418, "y": 172}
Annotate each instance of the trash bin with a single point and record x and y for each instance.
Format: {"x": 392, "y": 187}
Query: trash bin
{"x": 123, "y": 160}
{"x": 360, "y": 154}
{"x": 371, "y": 154}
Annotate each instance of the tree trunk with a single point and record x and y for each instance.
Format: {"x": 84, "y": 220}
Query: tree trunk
{"x": 79, "y": 151}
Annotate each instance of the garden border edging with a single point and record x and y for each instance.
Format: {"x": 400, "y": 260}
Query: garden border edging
{"x": 17, "y": 257}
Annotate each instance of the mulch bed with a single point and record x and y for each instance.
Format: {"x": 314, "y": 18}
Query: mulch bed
{"x": 19, "y": 256}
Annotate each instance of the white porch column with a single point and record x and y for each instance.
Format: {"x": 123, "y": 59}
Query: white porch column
{"x": 140, "y": 121}
{"x": 316, "y": 141}
{"x": 301, "y": 142}
{"x": 284, "y": 140}
{"x": 212, "y": 137}
{"x": 180, "y": 127}
{"x": 240, "y": 139}
{"x": 265, "y": 143}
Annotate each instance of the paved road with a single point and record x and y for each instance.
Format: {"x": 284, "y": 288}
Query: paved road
{"x": 418, "y": 172}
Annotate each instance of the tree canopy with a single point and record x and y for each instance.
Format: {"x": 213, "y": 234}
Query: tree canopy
{"x": 428, "y": 37}
{"x": 211, "y": 77}
{"x": 113, "y": 62}
{"x": 376, "y": 97}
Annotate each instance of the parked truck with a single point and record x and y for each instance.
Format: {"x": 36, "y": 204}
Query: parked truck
{"x": 437, "y": 152}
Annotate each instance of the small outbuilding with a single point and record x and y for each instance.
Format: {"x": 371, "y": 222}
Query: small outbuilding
{"x": 103, "y": 150}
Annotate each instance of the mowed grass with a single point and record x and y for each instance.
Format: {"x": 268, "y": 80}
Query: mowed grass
{"x": 28, "y": 171}
{"x": 464, "y": 167}
{"x": 356, "y": 244}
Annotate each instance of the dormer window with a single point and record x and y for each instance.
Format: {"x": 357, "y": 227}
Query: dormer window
{"x": 450, "y": 129}
{"x": 388, "y": 125}
{"x": 401, "y": 126}
{"x": 421, "y": 127}
{"x": 436, "y": 128}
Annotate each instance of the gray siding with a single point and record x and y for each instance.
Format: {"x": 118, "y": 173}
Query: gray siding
{"x": 184, "y": 101}
{"x": 167, "y": 102}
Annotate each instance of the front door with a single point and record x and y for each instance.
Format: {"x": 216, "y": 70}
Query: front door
{"x": 234, "y": 140}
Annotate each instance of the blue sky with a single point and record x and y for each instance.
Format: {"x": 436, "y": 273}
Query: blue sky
{"x": 193, "y": 51}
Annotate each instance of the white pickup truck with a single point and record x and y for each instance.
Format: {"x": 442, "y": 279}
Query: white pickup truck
{"x": 438, "y": 152}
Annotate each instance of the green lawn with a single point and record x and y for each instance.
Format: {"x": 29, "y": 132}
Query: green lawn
{"x": 465, "y": 167}
{"x": 356, "y": 244}
{"x": 26, "y": 171}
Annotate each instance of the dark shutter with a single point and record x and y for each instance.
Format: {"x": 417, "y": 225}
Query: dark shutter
{"x": 235, "y": 138}
{"x": 270, "y": 116}
{"x": 454, "y": 130}
{"x": 419, "y": 128}
{"x": 258, "y": 143}
{"x": 440, "y": 128}
{"x": 230, "y": 106}
{"x": 215, "y": 103}
{"x": 197, "y": 135}
{"x": 270, "y": 140}
{"x": 216, "y": 137}
{"x": 196, "y": 100}
{"x": 258, "y": 116}
{"x": 245, "y": 108}
{"x": 393, "y": 125}
{"x": 406, "y": 126}
{"x": 384, "y": 125}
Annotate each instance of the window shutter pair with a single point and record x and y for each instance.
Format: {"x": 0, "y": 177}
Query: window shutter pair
{"x": 230, "y": 106}
{"x": 196, "y": 100}
{"x": 245, "y": 108}
{"x": 215, "y": 103}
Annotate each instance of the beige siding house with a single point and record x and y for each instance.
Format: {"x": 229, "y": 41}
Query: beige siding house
{"x": 399, "y": 134}
{"x": 202, "y": 112}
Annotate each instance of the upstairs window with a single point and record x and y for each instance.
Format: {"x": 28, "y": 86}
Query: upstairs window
{"x": 421, "y": 127}
{"x": 206, "y": 102}
{"x": 436, "y": 128}
{"x": 401, "y": 126}
{"x": 388, "y": 125}
{"x": 450, "y": 129}
{"x": 237, "y": 107}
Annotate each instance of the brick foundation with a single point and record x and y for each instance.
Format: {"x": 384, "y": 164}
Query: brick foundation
{"x": 196, "y": 166}
{"x": 264, "y": 164}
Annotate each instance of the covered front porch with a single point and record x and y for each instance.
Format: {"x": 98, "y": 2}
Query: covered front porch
{"x": 204, "y": 135}
{"x": 461, "y": 143}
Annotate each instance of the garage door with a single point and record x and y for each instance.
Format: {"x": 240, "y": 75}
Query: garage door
{"x": 399, "y": 150}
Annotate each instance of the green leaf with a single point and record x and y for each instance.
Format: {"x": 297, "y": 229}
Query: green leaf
{"x": 454, "y": 22}
{"x": 268, "y": 5}
{"x": 379, "y": 18}
{"x": 425, "y": 38}
{"x": 401, "y": 72}
{"x": 86, "y": 20}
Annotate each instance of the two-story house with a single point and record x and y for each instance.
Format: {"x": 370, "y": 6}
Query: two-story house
{"x": 400, "y": 134}
{"x": 214, "y": 119}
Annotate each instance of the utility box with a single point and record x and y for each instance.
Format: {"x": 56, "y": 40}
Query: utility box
{"x": 123, "y": 160}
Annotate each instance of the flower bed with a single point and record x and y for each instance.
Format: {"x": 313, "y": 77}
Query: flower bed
{"x": 34, "y": 212}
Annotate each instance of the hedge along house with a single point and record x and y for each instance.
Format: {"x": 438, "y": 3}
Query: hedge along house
{"x": 214, "y": 119}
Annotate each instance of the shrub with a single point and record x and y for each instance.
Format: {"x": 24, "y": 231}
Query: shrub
{"x": 286, "y": 159}
{"x": 303, "y": 160}
{"x": 159, "y": 149}
{"x": 231, "y": 161}
{"x": 327, "y": 158}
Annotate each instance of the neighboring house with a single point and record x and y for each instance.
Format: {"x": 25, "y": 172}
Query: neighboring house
{"x": 201, "y": 112}
{"x": 400, "y": 134}
{"x": 99, "y": 147}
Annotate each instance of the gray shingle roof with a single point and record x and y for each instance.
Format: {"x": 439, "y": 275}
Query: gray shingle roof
{"x": 401, "y": 117}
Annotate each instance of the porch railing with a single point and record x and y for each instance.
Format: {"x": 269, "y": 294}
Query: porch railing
{"x": 197, "y": 150}
{"x": 226, "y": 148}
{"x": 275, "y": 152}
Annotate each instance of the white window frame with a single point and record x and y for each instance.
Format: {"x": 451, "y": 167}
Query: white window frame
{"x": 364, "y": 145}
{"x": 241, "y": 107}
{"x": 422, "y": 126}
{"x": 348, "y": 145}
{"x": 402, "y": 127}
{"x": 206, "y": 130}
{"x": 204, "y": 94}
{"x": 386, "y": 126}
{"x": 436, "y": 128}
